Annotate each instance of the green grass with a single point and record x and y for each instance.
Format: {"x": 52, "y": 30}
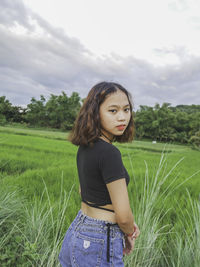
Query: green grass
{"x": 28, "y": 156}
{"x": 47, "y": 133}
{"x": 163, "y": 190}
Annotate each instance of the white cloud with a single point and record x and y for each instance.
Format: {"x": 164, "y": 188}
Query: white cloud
{"x": 128, "y": 27}
{"x": 37, "y": 57}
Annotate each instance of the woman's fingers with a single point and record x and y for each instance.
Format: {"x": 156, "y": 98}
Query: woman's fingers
{"x": 129, "y": 245}
{"x": 130, "y": 241}
{"x": 136, "y": 231}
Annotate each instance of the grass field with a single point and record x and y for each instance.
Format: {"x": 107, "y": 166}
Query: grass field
{"x": 32, "y": 161}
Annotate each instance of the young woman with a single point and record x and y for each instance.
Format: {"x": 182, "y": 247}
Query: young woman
{"x": 104, "y": 228}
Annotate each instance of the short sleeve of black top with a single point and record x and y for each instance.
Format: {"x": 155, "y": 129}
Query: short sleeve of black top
{"x": 97, "y": 166}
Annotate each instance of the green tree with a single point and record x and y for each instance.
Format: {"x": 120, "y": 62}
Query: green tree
{"x": 73, "y": 109}
{"x": 36, "y": 112}
{"x": 195, "y": 140}
{"x": 143, "y": 122}
{"x": 5, "y": 109}
{"x": 166, "y": 119}
{"x": 61, "y": 110}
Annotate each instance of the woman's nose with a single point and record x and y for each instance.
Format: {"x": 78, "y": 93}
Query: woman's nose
{"x": 121, "y": 116}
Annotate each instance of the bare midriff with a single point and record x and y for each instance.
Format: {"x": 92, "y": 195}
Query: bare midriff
{"x": 98, "y": 213}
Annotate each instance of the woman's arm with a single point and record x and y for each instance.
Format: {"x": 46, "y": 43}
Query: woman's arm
{"x": 120, "y": 201}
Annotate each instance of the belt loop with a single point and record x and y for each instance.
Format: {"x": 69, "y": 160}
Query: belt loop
{"x": 82, "y": 217}
{"x": 80, "y": 220}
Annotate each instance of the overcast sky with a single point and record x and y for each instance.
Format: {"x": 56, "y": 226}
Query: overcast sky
{"x": 151, "y": 47}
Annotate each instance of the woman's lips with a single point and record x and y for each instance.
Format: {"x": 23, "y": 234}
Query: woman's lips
{"x": 121, "y": 127}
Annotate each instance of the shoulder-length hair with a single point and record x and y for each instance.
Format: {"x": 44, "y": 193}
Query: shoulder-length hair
{"x": 87, "y": 127}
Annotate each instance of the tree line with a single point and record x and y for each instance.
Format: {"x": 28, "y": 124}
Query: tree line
{"x": 166, "y": 123}
{"x": 57, "y": 112}
{"x": 160, "y": 123}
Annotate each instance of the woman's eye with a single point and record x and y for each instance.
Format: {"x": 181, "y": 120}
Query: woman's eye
{"x": 114, "y": 110}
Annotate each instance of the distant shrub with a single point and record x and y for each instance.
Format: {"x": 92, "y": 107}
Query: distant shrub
{"x": 195, "y": 140}
{"x": 2, "y": 120}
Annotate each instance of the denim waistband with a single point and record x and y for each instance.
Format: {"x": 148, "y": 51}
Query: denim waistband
{"x": 87, "y": 219}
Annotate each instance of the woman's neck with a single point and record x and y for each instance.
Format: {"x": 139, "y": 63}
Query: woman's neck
{"x": 106, "y": 138}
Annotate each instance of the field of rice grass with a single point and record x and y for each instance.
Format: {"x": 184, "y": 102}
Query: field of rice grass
{"x": 39, "y": 166}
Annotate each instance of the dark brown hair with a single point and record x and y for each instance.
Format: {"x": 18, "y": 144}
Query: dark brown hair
{"x": 86, "y": 128}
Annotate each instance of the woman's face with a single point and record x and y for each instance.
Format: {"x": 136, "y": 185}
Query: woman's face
{"x": 115, "y": 112}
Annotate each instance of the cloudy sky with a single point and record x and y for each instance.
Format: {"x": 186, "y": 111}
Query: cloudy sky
{"x": 150, "y": 47}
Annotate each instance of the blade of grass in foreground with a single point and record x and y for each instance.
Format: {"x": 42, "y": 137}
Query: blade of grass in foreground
{"x": 184, "y": 249}
{"x": 150, "y": 212}
{"x": 44, "y": 225}
{"x": 10, "y": 219}
{"x": 47, "y": 223}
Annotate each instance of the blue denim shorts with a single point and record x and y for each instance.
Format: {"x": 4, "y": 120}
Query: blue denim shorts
{"x": 91, "y": 242}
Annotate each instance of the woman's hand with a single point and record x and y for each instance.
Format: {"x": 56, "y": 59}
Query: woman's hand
{"x": 130, "y": 240}
{"x": 129, "y": 245}
{"x": 136, "y": 230}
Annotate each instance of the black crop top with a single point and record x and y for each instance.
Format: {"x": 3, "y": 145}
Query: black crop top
{"x": 97, "y": 166}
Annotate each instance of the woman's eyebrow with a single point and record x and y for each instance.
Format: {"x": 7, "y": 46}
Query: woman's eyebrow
{"x": 118, "y": 105}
